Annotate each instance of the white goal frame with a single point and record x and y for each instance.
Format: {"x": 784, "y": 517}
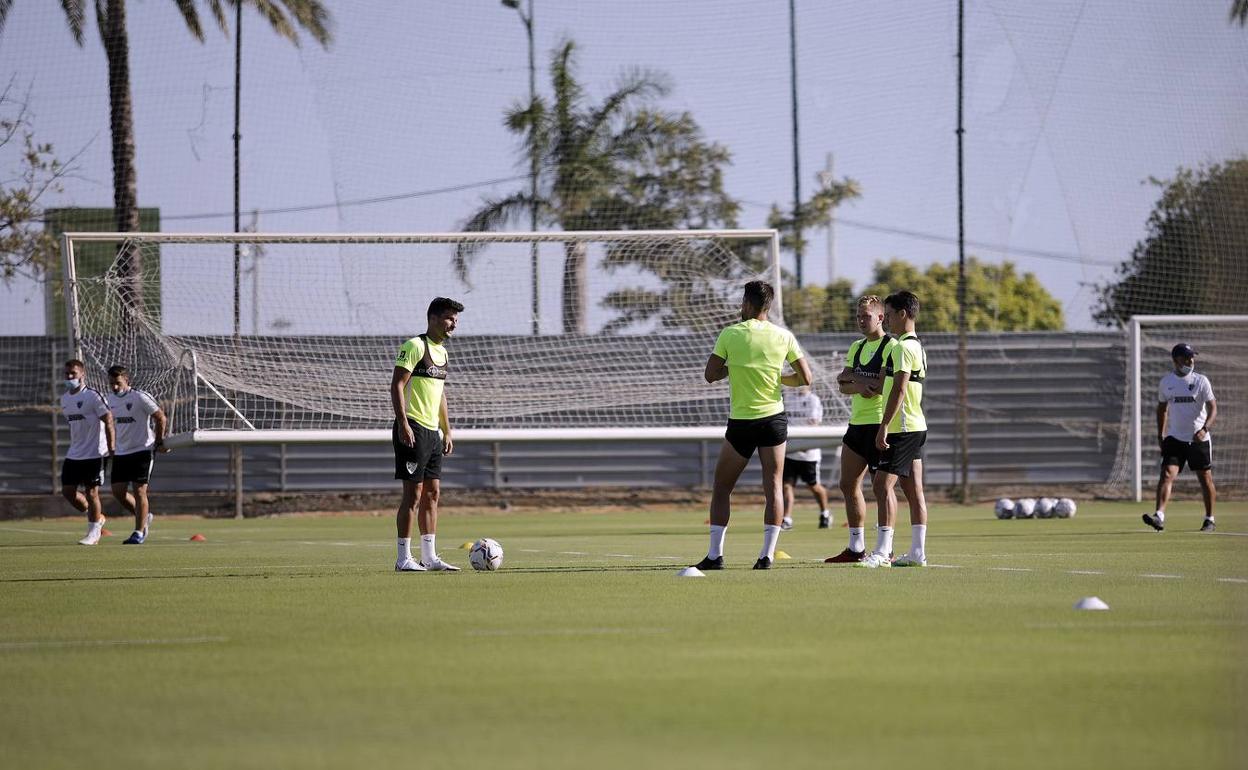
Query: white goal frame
{"x": 1134, "y": 366}
{"x": 195, "y": 436}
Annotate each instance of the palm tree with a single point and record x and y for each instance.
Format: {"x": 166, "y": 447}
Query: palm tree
{"x": 580, "y": 150}
{"x": 283, "y": 16}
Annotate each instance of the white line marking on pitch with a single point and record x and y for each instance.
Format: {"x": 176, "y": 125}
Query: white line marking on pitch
{"x": 946, "y": 566}
{"x": 1162, "y": 577}
{"x": 1229, "y": 534}
{"x": 110, "y": 642}
{"x": 621, "y": 555}
{"x": 1086, "y": 572}
{"x": 566, "y": 631}
{"x": 1010, "y": 569}
{"x": 531, "y": 550}
{"x": 573, "y": 553}
{"x": 1232, "y": 580}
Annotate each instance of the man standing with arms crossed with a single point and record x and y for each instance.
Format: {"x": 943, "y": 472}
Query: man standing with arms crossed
{"x": 134, "y": 411}
{"x": 862, "y": 378}
{"x": 1186, "y": 410}
{"x": 416, "y": 393}
{"x": 751, "y": 354}
{"x": 85, "y": 409}
{"x": 901, "y": 435}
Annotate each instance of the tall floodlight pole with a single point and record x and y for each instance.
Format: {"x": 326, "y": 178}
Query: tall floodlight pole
{"x": 797, "y": 166}
{"x": 236, "y": 453}
{"x": 964, "y": 439}
{"x": 526, "y": 17}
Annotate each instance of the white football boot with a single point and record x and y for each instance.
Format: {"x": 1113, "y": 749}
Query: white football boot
{"x": 408, "y": 565}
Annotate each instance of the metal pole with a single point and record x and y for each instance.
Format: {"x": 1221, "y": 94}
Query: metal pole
{"x": 829, "y": 180}
{"x": 963, "y": 431}
{"x": 236, "y": 454}
{"x": 1137, "y": 443}
{"x": 533, "y": 167}
{"x": 797, "y": 169}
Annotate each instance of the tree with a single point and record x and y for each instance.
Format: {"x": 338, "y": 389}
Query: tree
{"x": 814, "y": 308}
{"x": 619, "y": 164}
{"x": 998, "y": 299}
{"x": 1191, "y": 260}
{"x": 817, "y": 212}
{"x": 1239, "y": 12}
{"x": 282, "y": 15}
{"x": 25, "y": 246}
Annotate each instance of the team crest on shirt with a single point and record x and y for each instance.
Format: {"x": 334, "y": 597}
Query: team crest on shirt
{"x": 1191, "y": 386}
{"x": 79, "y": 404}
{"x": 412, "y": 468}
{"x": 128, "y": 405}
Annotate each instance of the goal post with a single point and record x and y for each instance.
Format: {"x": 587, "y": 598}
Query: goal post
{"x": 1222, "y": 344}
{"x": 294, "y": 341}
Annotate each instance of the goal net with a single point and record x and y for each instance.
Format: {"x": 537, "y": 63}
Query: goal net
{"x": 292, "y": 338}
{"x": 1222, "y": 346}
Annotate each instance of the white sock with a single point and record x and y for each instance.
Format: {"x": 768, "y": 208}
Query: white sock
{"x": 405, "y": 548}
{"x": 771, "y": 534}
{"x": 717, "y": 541}
{"x": 1161, "y": 515}
{"x": 427, "y": 552}
{"x": 96, "y": 525}
{"x": 1209, "y": 517}
{"x": 857, "y": 539}
{"x": 824, "y": 512}
{"x": 884, "y": 540}
{"x": 918, "y": 541}
{"x": 788, "y": 519}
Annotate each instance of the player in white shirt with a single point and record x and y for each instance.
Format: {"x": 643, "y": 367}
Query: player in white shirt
{"x": 134, "y": 412}
{"x": 803, "y": 407}
{"x": 87, "y": 412}
{"x": 1186, "y": 410}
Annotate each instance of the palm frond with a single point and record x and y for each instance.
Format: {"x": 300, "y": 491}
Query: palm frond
{"x": 218, "y": 13}
{"x": 276, "y": 18}
{"x": 492, "y": 215}
{"x": 1239, "y": 12}
{"x": 191, "y": 16}
{"x": 313, "y": 17}
{"x": 75, "y": 15}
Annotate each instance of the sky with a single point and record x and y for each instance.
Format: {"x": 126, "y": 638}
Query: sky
{"x": 1070, "y": 106}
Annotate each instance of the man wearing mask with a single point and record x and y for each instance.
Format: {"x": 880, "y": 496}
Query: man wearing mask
{"x": 1186, "y": 411}
{"x": 86, "y": 411}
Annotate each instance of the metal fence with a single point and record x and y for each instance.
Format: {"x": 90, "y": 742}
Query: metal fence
{"x": 1032, "y": 422}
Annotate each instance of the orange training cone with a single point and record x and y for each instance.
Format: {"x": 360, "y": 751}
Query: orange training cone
{"x": 197, "y": 538}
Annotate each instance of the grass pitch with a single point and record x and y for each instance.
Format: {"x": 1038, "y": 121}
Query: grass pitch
{"x": 289, "y": 642}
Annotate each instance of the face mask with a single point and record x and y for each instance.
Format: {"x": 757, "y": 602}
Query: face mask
{"x": 71, "y": 384}
{"x": 1185, "y": 370}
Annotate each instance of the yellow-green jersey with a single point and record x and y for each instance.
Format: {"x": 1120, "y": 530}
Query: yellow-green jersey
{"x": 755, "y": 351}
{"x": 426, "y": 360}
{"x": 866, "y": 357}
{"x": 907, "y": 355}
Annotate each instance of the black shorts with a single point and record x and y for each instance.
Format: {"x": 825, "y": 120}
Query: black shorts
{"x": 861, "y": 439}
{"x": 748, "y": 435}
{"x": 903, "y": 450}
{"x": 83, "y": 473}
{"x": 1198, "y": 455}
{"x": 135, "y": 467}
{"x": 422, "y": 460}
{"x": 806, "y": 471}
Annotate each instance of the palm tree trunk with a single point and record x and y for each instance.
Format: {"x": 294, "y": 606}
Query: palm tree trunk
{"x": 125, "y": 183}
{"x": 575, "y": 278}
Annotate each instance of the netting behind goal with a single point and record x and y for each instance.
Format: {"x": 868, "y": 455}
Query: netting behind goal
{"x": 1222, "y": 344}
{"x": 619, "y": 336}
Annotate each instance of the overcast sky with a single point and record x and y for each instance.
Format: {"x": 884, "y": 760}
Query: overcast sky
{"x": 1070, "y": 106}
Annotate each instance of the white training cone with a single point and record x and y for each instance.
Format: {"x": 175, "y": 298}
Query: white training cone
{"x": 691, "y": 572}
{"x": 1091, "y": 603}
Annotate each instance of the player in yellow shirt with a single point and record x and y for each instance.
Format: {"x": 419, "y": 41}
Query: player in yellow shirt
{"x": 752, "y": 354}
{"x": 416, "y": 393}
{"x": 901, "y": 436}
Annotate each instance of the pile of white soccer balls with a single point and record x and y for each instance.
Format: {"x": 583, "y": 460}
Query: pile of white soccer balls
{"x": 1033, "y": 508}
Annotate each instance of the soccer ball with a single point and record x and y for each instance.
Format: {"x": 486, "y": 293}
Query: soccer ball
{"x": 1025, "y": 508}
{"x": 1065, "y": 508}
{"x": 1004, "y": 509}
{"x": 486, "y": 555}
{"x": 1044, "y": 507}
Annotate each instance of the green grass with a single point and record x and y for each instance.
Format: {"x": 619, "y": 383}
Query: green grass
{"x": 289, "y": 642}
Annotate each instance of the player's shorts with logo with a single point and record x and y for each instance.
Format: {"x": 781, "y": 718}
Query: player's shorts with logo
{"x": 806, "y": 471}
{"x": 861, "y": 439}
{"x": 85, "y": 473}
{"x": 1197, "y": 454}
{"x": 134, "y": 468}
{"x": 748, "y": 435}
{"x": 422, "y": 460}
{"x": 903, "y": 450}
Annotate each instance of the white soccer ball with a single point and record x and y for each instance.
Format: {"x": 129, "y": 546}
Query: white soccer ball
{"x": 1004, "y": 509}
{"x": 1025, "y": 508}
{"x": 1044, "y": 507}
{"x": 486, "y": 555}
{"x": 1065, "y": 508}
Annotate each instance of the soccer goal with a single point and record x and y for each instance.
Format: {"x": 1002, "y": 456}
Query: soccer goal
{"x": 1222, "y": 344}
{"x": 253, "y": 338}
